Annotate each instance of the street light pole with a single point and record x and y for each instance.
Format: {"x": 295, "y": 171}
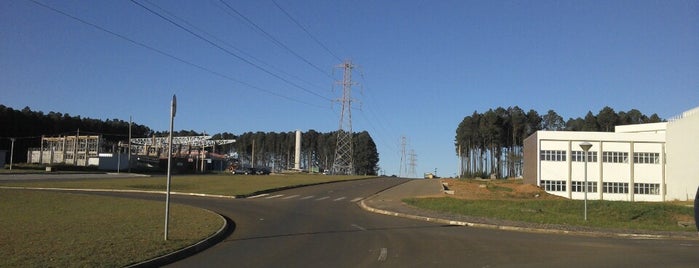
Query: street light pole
{"x": 173, "y": 110}
{"x": 586, "y": 147}
{"x": 12, "y": 152}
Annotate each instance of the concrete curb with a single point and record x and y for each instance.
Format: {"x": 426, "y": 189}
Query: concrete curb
{"x": 364, "y": 206}
{"x": 115, "y": 191}
{"x": 189, "y": 250}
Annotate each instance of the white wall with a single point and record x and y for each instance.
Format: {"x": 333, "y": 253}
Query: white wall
{"x": 683, "y": 156}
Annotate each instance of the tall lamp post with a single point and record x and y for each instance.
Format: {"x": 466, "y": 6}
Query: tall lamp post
{"x": 586, "y": 147}
{"x": 173, "y": 110}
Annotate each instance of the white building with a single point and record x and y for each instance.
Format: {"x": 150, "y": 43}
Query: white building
{"x": 645, "y": 162}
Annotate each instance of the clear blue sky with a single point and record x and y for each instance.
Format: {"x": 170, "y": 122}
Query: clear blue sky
{"x": 423, "y": 65}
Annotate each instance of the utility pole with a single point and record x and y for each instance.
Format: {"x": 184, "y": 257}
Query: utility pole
{"x": 343, "y": 163}
{"x": 130, "y": 119}
{"x": 12, "y": 151}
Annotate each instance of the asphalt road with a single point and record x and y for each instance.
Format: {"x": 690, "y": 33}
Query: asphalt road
{"x": 322, "y": 226}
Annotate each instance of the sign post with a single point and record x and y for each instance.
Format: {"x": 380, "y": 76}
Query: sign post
{"x": 173, "y": 110}
{"x": 586, "y": 147}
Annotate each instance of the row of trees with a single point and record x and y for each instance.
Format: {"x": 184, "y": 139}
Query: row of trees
{"x": 271, "y": 149}
{"x": 26, "y": 127}
{"x": 276, "y": 150}
{"x": 490, "y": 143}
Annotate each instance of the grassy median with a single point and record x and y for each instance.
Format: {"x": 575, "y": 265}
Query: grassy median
{"x": 218, "y": 184}
{"x": 601, "y": 214}
{"x": 49, "y": 229}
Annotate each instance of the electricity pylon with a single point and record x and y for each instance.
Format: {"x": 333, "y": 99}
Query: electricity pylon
{"x": 343, "y": 163}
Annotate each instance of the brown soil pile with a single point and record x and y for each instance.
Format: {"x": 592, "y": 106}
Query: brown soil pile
{"x": 473, "y": 189}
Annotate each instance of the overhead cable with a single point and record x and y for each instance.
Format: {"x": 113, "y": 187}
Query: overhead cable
{"x": 170, "y": 55}
{"x": 307, "y": 32}
{"x": 275, "y": 40}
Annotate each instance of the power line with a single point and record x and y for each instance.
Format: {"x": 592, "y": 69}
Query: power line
{"x": 163, "y": 53}
{"x": 229, "y": 52}
{"x": 230, "y": 45}
{"x": 275, "y": 40}
{"x": 305, "y": 30}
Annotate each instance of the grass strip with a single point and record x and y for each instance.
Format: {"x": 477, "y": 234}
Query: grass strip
{"x": 218, "y": 184}
{"x": 49, "y": 229}
{"x": 601, "y": 214}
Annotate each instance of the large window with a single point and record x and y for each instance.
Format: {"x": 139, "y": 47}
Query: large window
{"x": 646, "y": 188}
{"x": 577, "y": 186}
{"x": 615, "y": 187}
{"x": 646, "y": 158}
{"x": 615, "y": 157}
{"x": 579, "y": 156}
{"x": 553, "y": 186}
{"x": 553, "y": 155}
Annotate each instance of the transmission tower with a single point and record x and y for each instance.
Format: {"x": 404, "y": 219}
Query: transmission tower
{"x": 402, "y": 167}
{"x": 412, "y": 163}
{"x": 343, "y": 163}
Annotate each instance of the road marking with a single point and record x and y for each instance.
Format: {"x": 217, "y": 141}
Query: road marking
{"x": 383, "y": 254}
{"x": 308, "y": 197}
{"x": 339, "y": 199}
{"x": 359, "y": 227}
{"x": 274, "y": 196}
{"x": 291, "y": 196}
{"x": 257, "y": 196}
{"x": 322, "y": 198}
{"x": 357, "y": 199}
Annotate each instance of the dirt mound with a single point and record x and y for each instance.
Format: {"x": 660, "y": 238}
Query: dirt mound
{"x": 473, "y": 189}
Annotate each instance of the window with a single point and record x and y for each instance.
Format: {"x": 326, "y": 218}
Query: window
{"x": 553, "y": 155}
{"x": 579, "y": 156}
{"x": 615, "y": 157}
{"x": 615, "y": 187}
{"x": 553, "y": 186}
{"x": 646, "y": 188}
{"x": 646, "y": 158}
{"x": 578, "y": 186}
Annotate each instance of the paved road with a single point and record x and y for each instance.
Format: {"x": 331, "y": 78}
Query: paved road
{"x": 322, "y": 226}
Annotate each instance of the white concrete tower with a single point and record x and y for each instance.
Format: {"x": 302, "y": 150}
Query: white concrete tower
{"x": 297, "y": 152}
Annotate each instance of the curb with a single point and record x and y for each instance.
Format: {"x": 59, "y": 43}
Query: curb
{"x": 116, "y": 191}
{"x": 189, "y": 250}
{"x": 366, "y": 207}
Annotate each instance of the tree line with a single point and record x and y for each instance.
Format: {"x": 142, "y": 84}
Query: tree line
{"x": 27, "y": 127}
{"x": 490, "y": 144}
{"x": 272, "y": 149}
{"x": 275, "y": 150}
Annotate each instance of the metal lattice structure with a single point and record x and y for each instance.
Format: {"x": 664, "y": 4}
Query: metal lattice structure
{"x": 343, "y": 163}
{"x": 158, "y": 145}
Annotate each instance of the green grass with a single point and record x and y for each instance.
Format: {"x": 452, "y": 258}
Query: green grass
{"x": 219, "y": 184}
{"x": 601, "y": 214}
{"x": 49, "y": 229}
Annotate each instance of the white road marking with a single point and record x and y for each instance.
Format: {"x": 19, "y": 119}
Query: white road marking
{"x": 291, "y": 196}
{"x": 357, "y": 199}
{"x": 322, "y": 198}
{"x": 359, "y": 227}
{"x": 274, "y": 196}
{"x": 339, "y": 198}
{"x": 308, "y": 197}
{"x": 383, "y": 254}
{"x": 257, "y": 196}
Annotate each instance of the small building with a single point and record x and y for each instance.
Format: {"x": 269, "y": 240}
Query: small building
{"x": 644, "y": 162}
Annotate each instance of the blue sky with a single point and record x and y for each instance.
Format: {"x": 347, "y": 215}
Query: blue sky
{"x": 422, "y": 65}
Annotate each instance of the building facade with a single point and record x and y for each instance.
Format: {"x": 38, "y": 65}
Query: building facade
{"x": 645, "y": 162}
